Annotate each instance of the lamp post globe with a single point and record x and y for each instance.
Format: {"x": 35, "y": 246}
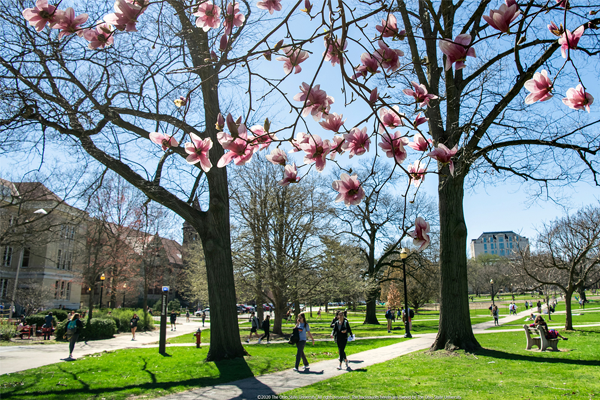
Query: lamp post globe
{"x": 102, "y": 278}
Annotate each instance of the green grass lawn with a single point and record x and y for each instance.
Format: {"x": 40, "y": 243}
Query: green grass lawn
{"x": 143, "y": 372}
{"x": 503, "y": 370}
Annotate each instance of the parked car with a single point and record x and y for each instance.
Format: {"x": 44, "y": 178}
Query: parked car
{"x": 199, "y": 312}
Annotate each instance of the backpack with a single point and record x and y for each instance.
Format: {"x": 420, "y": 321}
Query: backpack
{"x": 411, "y": 313}
{"x": 255, "y": 322}
{"x": 71, "y": 328}
{"x": 295, "y": 338}
{"x": 388, "y": 314}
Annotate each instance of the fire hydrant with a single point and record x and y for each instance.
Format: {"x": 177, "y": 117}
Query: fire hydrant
{"x": 198, "y": 336}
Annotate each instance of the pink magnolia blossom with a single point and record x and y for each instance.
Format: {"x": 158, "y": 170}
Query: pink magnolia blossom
{"x": 349, "y": 189}
{"x": 419, "y": 143}
{"x": 100, "y": 37}
{"x": 393, "y": 145}
{"x": 420, "y": 234}
{"x": 444, "y": 155}
{"x": 578, "y": 99}
{"x": 390, "y": 118}
{"x": 540, "y": 87}
{"x": 337, "y": 146}
{"x": 373, "y": 96}
{"x": 290, "y": 175}
{"x": 387, "y": 57}
{"x": 277, "y": 157}
{"x": 220, "y": 124}
{"x": 417, "y": 173}
{"x": 389, "y": 28}
{"x": 556, "y": 30}
{"x": 369, "y": 64}
{"x": 209, "y": 16}
{"x": 223, "y": 43}
{"x": 316, "y": 151}
{"x": 233, "y": 17}
{"x": 125, "y": 17}
{"x": 262, "y": 137}
{"x": 420, "y": 94}
{"x": 307, "y": 7}
{"x": 292, "y": 59}
{"x": 198, "y": 152}
{"x": 357, "y": 142}
{"x": 510, "y": 3}
{"x": 41, "y": 15}
{"x": 334, "y": 52}
{"x": 301, "y": 138}
{"x": 270, "y": 5}
{"x": 563, "y": 3}
{"x": 240, "y": 151}
{"x": 333, "y": 122}
{"x": 569, "y": 40}
{"x": 143, "y": 4}
{"x": 68, "y": 23}
{"x": 502, "y": 18}
{"x": 317, "y": 101}
{"x": 419, "y": 120}
{"x": 457, "y": 51}
{"x": 163, "y": 140}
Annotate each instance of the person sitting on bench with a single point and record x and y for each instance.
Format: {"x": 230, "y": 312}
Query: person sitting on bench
{"x": 550, "y": 333}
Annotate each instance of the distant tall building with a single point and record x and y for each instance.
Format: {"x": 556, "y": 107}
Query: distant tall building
{"x": 503, "y": 244}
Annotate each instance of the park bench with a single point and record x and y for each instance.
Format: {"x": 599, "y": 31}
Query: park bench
{"x": 541, "y": 342}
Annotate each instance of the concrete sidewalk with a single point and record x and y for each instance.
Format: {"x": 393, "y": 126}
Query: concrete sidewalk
{"x": 19, "y": 358}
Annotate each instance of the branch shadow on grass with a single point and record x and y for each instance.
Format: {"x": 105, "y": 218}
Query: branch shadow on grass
{"x": 521, "y": 357}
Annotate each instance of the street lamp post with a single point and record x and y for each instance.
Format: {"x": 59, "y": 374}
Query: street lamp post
{"x": 124, "y": 288}
{"x": 403, "y": 256}
{"x": 492, "y": 283}
{"x": 102, "y": 278}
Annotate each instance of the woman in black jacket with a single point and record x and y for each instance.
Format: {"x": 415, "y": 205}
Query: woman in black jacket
{"x": 341, "y": 330}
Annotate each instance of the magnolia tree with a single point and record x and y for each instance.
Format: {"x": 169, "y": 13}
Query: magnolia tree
{"x": 440, "y": 87}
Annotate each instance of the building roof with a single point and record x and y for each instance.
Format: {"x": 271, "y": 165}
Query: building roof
{"x": 507, "y": 233}
{"x": 173, "y": 250}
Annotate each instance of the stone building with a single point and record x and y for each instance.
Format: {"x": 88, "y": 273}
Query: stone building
{"x": 503, "y": 244}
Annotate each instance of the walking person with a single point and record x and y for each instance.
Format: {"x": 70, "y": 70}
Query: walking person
{"x": 253, "y": 327}
{"x": 389, "y": 315}
{"x": 47, "y": 327}
{"x": 319, "y": 313}
{"x": 266, "y": 326}
{"x": 173, "y": 320}
{"x": 133, "y": 325}
{"x": 303, "y": 330}
{"x": 495, "y": 313}
{"x": 526, "y": 305}
{"x": 539, "y": 307}
{"x": 341, "y": 329}
{"x": 74, "y": 329}
{"x": 187, "y": 315}
{"x": 203, "y": 317}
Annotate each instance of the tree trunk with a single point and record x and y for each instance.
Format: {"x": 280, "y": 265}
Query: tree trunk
{"x": 455, "y": 330}
{"x": 371, "y": 315}
{"x": 280, "y": 311}
{"x": 568, "y": 311}
{"x": 91, "y": 304}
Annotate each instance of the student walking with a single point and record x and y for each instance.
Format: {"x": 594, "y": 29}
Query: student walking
{"x": 173, "y": 320}
{"x": 133, "y": 325}
{"x": 319, "y": 313}
{"x": 496, "y": 315}
{"x": 47, "y": 327}
{"x": 254, "y": 327}
{"x": 341, "y": 329}
{"x": 266, "y": 326}
{"x": 389, "y": 314}
{"x": 203, "y": 317}
{"x": 187, "y": 316}
{"x": 74, "y": 328}
{"x": 303, "y": 330}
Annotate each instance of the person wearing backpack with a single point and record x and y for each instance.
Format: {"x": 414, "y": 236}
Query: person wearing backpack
{"x": 389, "y": 316}
{"x": 266, "y": 326}
{"x": 254, "y": 327}
{"x": 74, "y": 328}
{"x": 303, "y": 330}
{"x": 341, "y": 329}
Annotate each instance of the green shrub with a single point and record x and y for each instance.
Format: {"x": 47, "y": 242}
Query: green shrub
{"x": 60, "y": 315}
{"x": 99, "y": 328}
{"x": 174, "y": 305}
{"x": 61, "y": 329}
{"x": 7, "y": 330}
{"x": 39, "y": 320}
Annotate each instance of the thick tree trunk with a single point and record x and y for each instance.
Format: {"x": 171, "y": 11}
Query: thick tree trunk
{"x": 568, "y": 311}
{"x": 280, "y": 311}
{"x": 371, "y": 315}
{"x": 455, "y": 330}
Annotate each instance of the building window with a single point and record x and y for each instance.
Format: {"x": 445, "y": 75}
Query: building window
{"x": 492, "y": 247}
{"x": 486, "y": 252}
{"x": 69, "y": 259}
{"x": 501, "y": 239}
{"x": 502, "y": 246}
{"x": 26, "y": 255}
{"x": 56, "y": 286}
{"x": 3, "y": 288}
{"x": 68, "y": 295}
{"x": 7, "y": 256}
{"x": 510, "y": 238}
{"x": 511, "y": 246}
{"x": 485, "y": 247}
{"x": 502, "y": 252}
{"x": 59, "y": 258}
{"x": 62, "y": 289}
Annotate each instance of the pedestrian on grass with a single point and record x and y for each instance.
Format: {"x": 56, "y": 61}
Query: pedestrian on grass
{"x": 266, "y": 327}
{"x": 389, "y": 315}
{"x": 133, "y": 325}
{"x": 303, "y": 330}
{"x": 539, "y": 307}
{"x": 253, "y": 327}
{"x": 526, "y": 305}
{"x": 74, "y": 329}
{"x": 341, "y": 329}
{"x": 495, "y": 313}
{"x": 203, "y": 317}
{"x": 173, "y": 320}
{"x": 187, "y": 315}
{"x": 319, "y": 313}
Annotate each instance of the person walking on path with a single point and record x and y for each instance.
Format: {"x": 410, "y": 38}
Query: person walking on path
{"x": 48, "y": 324}
{"x": 526, "y": 305}
{"x": 173, "y": 320}
{"x": 303, "y": 330}
{"x": 389, "y": 315}
{"x": 133, "y": 325}
{"x": 74, "y": 329}
{"x": 341, "y": 329}
{"x": 539, "y": 307}
{"x": 515, "y": 308}
{"x": 187, "y": 315}
{"x": 266, "y": 326}
{"x": 203, "y": 317}
{"x": 254, "y": 326}
{"x": 495, "y": 314}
